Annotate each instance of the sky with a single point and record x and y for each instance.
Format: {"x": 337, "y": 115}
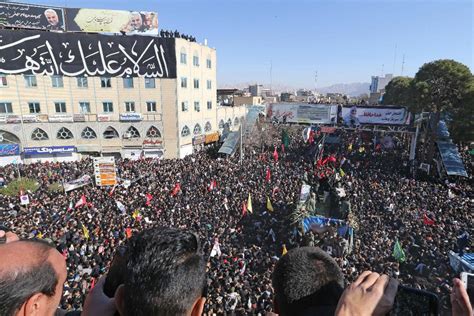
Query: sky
{"x": 287, "y": 42}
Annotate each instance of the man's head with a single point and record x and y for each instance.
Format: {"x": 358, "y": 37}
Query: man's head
{"x": 307, "y": 281}
{"x": 51, "y": 16}
{"x": 165, "y": 274}
{"x": 32, "y": 274}
{"x": 136, "y": 20}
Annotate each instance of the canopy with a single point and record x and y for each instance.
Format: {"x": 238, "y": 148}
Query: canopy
{"x": 230, "y": 144}
{"x": 451, "y": 160}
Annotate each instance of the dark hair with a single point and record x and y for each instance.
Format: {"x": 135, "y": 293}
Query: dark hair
{"x": 17, "y": 287}
{"x": 166, "y": 272}
{"x": 307, "y": 279}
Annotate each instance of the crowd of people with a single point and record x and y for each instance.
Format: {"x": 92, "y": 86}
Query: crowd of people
{"x": 226, "y": 203}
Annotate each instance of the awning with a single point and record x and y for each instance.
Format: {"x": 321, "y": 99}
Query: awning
{"x": 451, "y": 160}
{"x": 212, "y": 138}
{"x": 230, "y": 144}
{"x": 111, "y": 149}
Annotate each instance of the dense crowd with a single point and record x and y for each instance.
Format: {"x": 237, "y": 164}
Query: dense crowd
{"x": 209, "y": 195}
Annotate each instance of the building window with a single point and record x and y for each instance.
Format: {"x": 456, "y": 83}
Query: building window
{"x": 6, "y": 107}
{"x": 34, "y": 107}
{"x": 196, "y": 61}
{"x": 108, "y": 107}
{"x": 88, "y": 133}
{"x": 39, "y": 134}
{"x": 128, "y": 83}
{"x": 183, "y": 57}
{"x": 208, "y": 64}
{"x": 184, "y": 82}
{"x": 105, "y": 82}
{"x": 151, "y": 106}
{"x": 60, "y": 107}
{"x": 131, "y": 132}
{"x": 110, "y": 133}
{"x": 184, "y": 106}
{"x": 153, "y": 132}
{"x": 3, "y": 81}
{"x": 197, "y": 129}
{"x": 236, "y": 121}
{"x": 129, "y": 106}
{"x": 209, "y": 84}
{"x": 197, "y": 106}
{"x": 84, "y": 107}
{"x": 150, "y": 83}
{"x": 221, "y": 124}
{"x": 82, "y": 82}
{"x": 209, "y": 105}
{"x": 57, "y": 81}
{"x": 64, "y": 133}
{"x": 196, "y": 83}
{"x": 208, "y": 127}
{"x": 229, "y": 122}
{"x": 30, "y": 81}
{"x": 185, "y": 131}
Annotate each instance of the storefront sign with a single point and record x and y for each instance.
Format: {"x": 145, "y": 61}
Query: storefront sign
{"x": 9, "y": 149}
{"x": 152, "y": 143}
{"x": 130, "y": 117}
{"x": 103, "y": 118}
{"x": 42, "y": 118}
{"x": 212, "y": 138}
{"x": 104, "y": 171}
{"x": 198, "y": 140}
{"x": 30, "y": 119}
{"x": 49, "y": 150}
{"x": 79, "y": 118}
{"x": 10, "y": 119}
{"x": 60, "y": 118}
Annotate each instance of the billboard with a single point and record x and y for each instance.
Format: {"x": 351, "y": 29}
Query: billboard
{"x": 77, "y": 183}
{"x": 78, "y": 54}
{"x": 18, "y": 15}
{"x": 111, "y": 21}
{"x": 358, "y": 115}
{"x": 49, "y": 150}
{"x": 104, "y": 171}
{"x": 302, "y": 113}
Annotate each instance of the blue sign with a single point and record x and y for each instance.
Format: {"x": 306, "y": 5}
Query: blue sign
{"x": 49, "y": 150}
{"x": 9, "y": 149}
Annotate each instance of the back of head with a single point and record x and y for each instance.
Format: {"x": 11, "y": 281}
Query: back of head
{"x": 307, "y": 281}
{"x": 166, "y": 272}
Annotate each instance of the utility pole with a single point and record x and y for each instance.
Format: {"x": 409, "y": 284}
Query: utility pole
{"x": 403, "y": 64}
{"x": 271, "y": 77}
{"x": 315, "y": 80}
{"x": 394, "y": 59}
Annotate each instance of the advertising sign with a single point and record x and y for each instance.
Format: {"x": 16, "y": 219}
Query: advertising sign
{"x": 130, "y": 117}
{"x": 30, "y": 118}
{"x": 355, "y": 116}
{"x": 104, "y": 171}
{"x": 61, "y": 118}
{"x": 9, "y": 149}
{"x": 10, "y": 119}
{"x": 49, "y": 150}
{"x": 302, "y": 113}
{"x": 19, "y": 15}
{"x": 111, "y": 21}
{"x": 78, "y": 183}
{"x": 103, "y": 117}
{"x": 79, "y": 54}
{"x": 79, "y": 118}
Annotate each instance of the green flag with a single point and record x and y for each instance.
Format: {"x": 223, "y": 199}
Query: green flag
{"x": 398, "y": 252}
{"x": 285, "y": 139}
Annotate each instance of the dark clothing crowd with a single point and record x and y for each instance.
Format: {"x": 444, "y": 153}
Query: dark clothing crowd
{"x": 209, "y": 195}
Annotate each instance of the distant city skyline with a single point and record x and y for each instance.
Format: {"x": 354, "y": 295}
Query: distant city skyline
{"x": 287, "y": 42}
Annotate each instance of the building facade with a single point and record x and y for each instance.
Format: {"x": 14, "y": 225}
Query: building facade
{"x": 60, "y": 118}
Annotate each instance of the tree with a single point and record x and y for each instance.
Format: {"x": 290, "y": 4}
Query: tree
{"x": 399, "y": 91}
{"x": 462, "y": 124}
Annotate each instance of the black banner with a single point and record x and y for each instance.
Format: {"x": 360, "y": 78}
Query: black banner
{"x": 76, "y": 54}
{"x": 31, "y": 16}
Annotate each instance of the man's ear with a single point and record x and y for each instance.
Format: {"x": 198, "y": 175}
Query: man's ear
{"x": 34, "y": 305}
{"x": 120, "y": 299}
{"x": 198, "y": 307}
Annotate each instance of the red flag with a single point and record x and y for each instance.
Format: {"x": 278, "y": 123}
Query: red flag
{"x": 128, "y": 232}
{"x": 65, "y": 253}
{"x": 268, "y": 175}
{"x": 149, "y": 197}
{"x": 283, "y": 148}
{"x": 275, "y": 154}
{"x": 93, "y": 283}
{"x": 212, "y": 185}
{"x": 177, "y": 188}
{"x": 332, "y": 159}
{"x": 113, "y": 190}
{"x": 244, "y": 208}
{"x": 275, "y": 190}
{"x": 311, "y": 137}
{"x": 81, "y": 202}
{"x": 427, "y": 220}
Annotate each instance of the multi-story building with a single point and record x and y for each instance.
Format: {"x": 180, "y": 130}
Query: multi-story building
{"x": 378, "y": 83}
{"x": 58, "y": 118}
{"x": 256, "y": 90}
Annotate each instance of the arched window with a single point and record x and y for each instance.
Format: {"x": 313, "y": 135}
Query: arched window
{"x": 229, "y": 122}
{"x": 153, "y": 132}
{"x": 131, "y": 132}
{"x": 185, "y": 131}
{"x": 110, "y": 133}
{"x": 88, "y": 133}
{"x": 64, "y": 133}
{"x": 236, "y": 121}
{"x": 39, "y": 134}
{"x": 197, "y": 129}
{"x": 208, "y": 127}
{"x": 221, "y": 124}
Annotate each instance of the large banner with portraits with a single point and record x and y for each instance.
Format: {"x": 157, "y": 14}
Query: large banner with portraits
{"x": 111, "y": 21}
{"x": 19, "y": 15}
{"x": 359, "y": 115}
{"x": 302, "y": 113}
{"x": 79, "y": 54}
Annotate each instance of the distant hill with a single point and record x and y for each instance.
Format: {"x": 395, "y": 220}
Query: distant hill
{"x": 352, "y": 89}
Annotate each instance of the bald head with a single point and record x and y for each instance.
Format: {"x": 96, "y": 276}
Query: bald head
{"x": 32, "y": 274}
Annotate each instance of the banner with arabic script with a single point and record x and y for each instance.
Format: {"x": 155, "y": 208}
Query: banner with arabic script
{"x": 357, "y": 115}
{"x": 78, "y": 54}
{"x": 78, "y": 183}
{"x": 9, "y": 149}
{"x": 112, "y": 21}
{"x": 29, "y": 16}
